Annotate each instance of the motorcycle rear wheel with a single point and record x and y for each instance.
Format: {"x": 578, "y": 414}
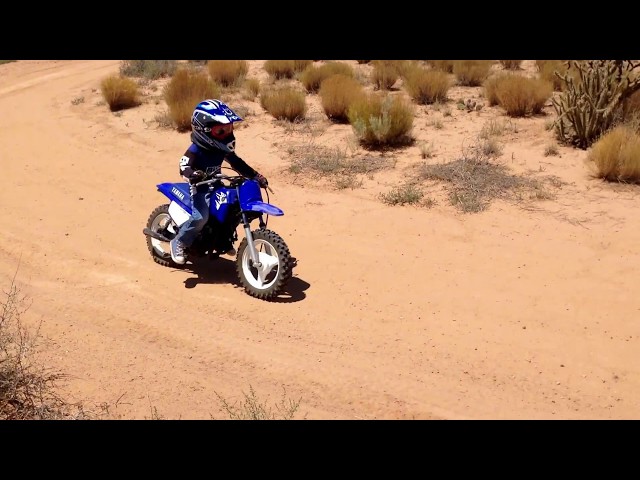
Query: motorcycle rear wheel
{"x": 160, "y": 221}
{"x": 269, "y": 280}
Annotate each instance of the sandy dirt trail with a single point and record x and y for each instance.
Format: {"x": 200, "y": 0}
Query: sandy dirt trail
{"x": 393, "y": 313}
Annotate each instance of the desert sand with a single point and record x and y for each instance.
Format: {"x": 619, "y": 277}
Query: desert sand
{"x": 523, "y": 311}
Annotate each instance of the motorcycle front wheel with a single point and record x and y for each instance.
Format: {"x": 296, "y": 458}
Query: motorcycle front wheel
{"x": 269, "y": 279}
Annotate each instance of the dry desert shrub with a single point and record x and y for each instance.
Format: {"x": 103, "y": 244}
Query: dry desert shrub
{"x": 279, "y": 69}
{"x": 149, "y": 69}
{"x": 252, "y": 408}
{"x": 551, "y": 150}
{"x": 406, "y": 194}
{"x": 337, "y": 92}
{"x": 616, "y": 155}
{"x": 251, "y": 88}
{"x": 491, "y": 87}
{"x": 28, "y": 389}
{"x": 471, "y": 73}
{"x": 120, "y": 92}
{"x": 548, "y": 69}
{"x": 163, "y": 119}
{"x": 380, "y": 119}
{"x": 384, "y": 74}
{"x": 490, "y": 147}
{"x": 228, "y": 72}
{"x": 427, "y": 86}
{"x": 313, "y": 75}
{"x": 301, "y": 65}
{"x": 496, "y": 128}
{"x": 631, "y": 107}
{"x": 511, "y": 64}
{"x": 443, "y": 65}
{"x": 427, "y": 150}
{"x": 285, "y": 103}
{"x": 405, "y": 67}
{"x": 184, "y": 91}
{"x": 473, "y": 181}
{"x": 521, "y": 96}
{"x": 319, "y": 162}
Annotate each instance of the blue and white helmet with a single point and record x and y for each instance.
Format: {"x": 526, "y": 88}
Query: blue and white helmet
{"x": 212, "y": 126}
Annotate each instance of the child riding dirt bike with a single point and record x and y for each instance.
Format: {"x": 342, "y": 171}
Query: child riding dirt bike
{"x": 213, "y": 142}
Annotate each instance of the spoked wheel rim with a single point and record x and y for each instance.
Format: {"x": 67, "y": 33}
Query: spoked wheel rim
{"x": 162, "y": 224}
{"x": 266, "y": 275}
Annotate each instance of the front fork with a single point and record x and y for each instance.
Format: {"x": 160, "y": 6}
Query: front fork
{"x": 253, "y": 253}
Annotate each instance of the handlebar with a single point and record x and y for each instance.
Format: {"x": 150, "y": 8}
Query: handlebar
{"x": 234, "y": 179}
{"x": 217, "y": 177}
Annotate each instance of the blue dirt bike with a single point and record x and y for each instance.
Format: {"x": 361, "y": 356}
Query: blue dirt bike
{"x": 264, "y": 263}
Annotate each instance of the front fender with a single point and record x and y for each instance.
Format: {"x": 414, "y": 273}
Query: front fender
{"x": 263, "y": 207}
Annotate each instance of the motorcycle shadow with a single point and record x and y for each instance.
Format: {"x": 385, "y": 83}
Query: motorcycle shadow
{"x": 223, "y": 270}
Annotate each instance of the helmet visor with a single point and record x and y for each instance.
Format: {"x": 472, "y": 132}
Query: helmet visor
{"x": 221, "y": 131}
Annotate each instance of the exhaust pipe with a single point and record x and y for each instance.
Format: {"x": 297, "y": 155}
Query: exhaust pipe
{"x": 156, "y": 235}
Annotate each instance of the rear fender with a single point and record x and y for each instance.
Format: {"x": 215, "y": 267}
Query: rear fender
{"x": 177, "y": 192}
{"x": 178, "y": 213}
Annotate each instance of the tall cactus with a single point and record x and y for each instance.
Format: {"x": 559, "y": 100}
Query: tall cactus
{"x": 592, "y": 96}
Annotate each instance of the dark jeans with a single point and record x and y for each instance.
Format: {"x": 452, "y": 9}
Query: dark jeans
{"x": 189, "y": 230}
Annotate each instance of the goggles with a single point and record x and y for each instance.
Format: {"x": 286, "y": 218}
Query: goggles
{"x": 221, "y": 131}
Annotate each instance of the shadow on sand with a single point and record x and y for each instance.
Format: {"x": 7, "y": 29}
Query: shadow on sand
{"x": 223, "y": 270}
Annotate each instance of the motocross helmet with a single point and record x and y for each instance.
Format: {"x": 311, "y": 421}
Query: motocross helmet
{"x": 212, "y": 126}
